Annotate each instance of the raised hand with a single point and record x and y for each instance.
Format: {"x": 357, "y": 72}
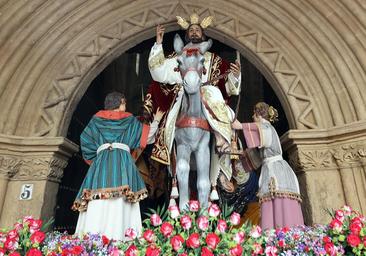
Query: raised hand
{"x": 235, "y": 68}
{"x": 158, "y": 114}
{"x": 160, "y": 34}
{"x": 236, "y": 125}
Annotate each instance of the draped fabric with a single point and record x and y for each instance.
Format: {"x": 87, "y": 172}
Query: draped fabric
{"x": 112, "y": 172}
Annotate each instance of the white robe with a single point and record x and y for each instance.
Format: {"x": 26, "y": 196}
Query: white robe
{"x": 163, "y": 70}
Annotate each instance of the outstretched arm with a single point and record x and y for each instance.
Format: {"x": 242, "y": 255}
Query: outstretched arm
{"x": 162, "y": 69}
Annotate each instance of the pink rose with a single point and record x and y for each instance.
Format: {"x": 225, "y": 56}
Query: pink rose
{"x": 257, "y": 249}
{"x": 202, "y": 222}
{"x": 130, "y": 233}
{"x": 256, "y": 232}
{"x": 193, "y": 241}
{"x": 183, "y": 254}
{"x": 339, "y": 215}
{"x": 221, "y": 226}
{"x": 131, "y": 250}
{"x": 155, "y": 220}
{"x": 177, "y": 242}
{"x": 236, "y": 251}
{"x": 353, "y": 240}
{"x": 166, "y": 229}
{"x": 34, "y": 252}
{"x": 186, "y": 222}
{"x": 239, "y": 237}
{"x": 152, "y": 251}
{"x": 271, "y": 251}
{"x": 2, "y": 251}
{"x": 27, "y": 219}
{"x": 347, "y": 210}
{"x": 213, "y": 210}
{"x": 194, "y": 205}
{"x": 37, "y": 237}
{"x": 206, "y": 252}
{"x": 174, "y": 211}
{"x": 212, "y": 240}
{"x": 18, "y": 226}
{"x": 149, "y": 235}
{"x": 235, "y": 218}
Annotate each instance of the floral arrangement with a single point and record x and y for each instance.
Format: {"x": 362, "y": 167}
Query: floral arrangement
{"x": 25, "y": 238}
{"x": 347, "y": 233}
{"x": 195, "y": 231}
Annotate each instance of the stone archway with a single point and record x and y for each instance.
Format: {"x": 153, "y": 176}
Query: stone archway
{"x": 52, "y": 51}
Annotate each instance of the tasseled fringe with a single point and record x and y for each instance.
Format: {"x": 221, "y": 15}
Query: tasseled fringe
{"x": 214, "y": 195}
{"x": 172, "y": 202}
{"x": 174, "y": 194}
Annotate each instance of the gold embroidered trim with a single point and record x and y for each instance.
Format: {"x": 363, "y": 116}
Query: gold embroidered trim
{"x": 279, "y": 194}
{"x": 215, "y": 69}
{"x": 157, "y": 60}
{"x": 108, "y": 193}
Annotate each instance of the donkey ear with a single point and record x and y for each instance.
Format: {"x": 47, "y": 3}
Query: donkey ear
{"x": 178, "y": 44}
{"x": 204, "y": 46}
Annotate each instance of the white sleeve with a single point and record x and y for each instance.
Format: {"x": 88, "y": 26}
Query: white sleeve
{"x": 233, "y": 84}
{"x": 266, "y": 135}
{"x": 153, "y": 128}
{"x": 162, "y": 69}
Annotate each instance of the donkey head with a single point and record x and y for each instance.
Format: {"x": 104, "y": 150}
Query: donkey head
{"x": 190, "y": 63}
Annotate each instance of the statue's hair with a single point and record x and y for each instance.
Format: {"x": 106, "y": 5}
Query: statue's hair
{"x": 266, "y": 111}
{"x": 113, "y": 100}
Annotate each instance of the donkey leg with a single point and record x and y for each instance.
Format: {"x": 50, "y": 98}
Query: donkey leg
{"x": 203, "y": 171}
{"x": 183, "y": 157}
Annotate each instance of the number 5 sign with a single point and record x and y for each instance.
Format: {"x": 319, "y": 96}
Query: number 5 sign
{"x": 26, "y": 192}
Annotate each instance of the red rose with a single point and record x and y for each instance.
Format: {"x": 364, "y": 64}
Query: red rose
{"x": 152, "y": 251}
{"x": 236, "y": 251}
{"x": 221, "y": 226}
{"x": 281, "y": 243}
{"x": 353, "y": 240}
{"x": 11, "y": 244}
{"x": 13, "y": 235}
{"x": 34, "y": 225}
{"x": 186, "y": 222}
{"x": 206, "y": 252}
{"x": 194, "y": 205}
{"x": 355, "y": 228}
{"x": 329, "y": 248}
{"x": 336, "y": 225}
{"x": 202, "y": 222}
{"x": 131, "y": 250}
{"x": 235, "y": 218}
{"x": 166, "y": 229}
{"x": 155, "y": 220}
{"x": 77, "y": 250}
{"x": 327, "y": 239}
{"x": 212, "y": 240}
{"x": 34, "y": 252}
{"x": 105, "y": 240}
{"x": 37, "y": 237}
{"x": 13, "y": 254}
{"x": 193, "y": 241}
{"x": 177, "y": 242}
{"x": 149, "y": 235}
